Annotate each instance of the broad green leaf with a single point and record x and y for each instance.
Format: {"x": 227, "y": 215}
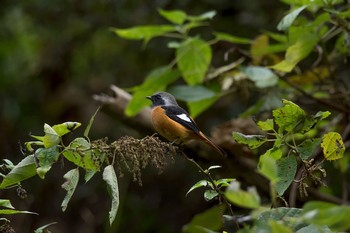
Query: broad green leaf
{"x": 279, "y": 37}
{"x": 266, "y": 125}
{"x": 312, "y": 228}
{"x": 286, "y": 168}
{"x": 191, "y": 93}
{"x": 290, "y": 117}
{"x": 201, "y": 183}
{"x": 66, "y": 127}
{"x": 297, "y": 52}
{"x": 287, "y": 20}
{"x": 278, "y": 227}
{"x": 43, "y": 229}
{"x": 111, "y": 180}
{"x": 262, "y": 77}
{"x": 51, "y": 138}
{"x": 155, "y": 81}
{"x": 308, "y": 147}
{"x": 197, "y": 107}
{"x": 174, "y": 16}
{"x": 252, "y": 141}
{"x": 204, "y": 16}
{"x": 81, "y": 154}
{"x": 333, "y": 146}
{"x": 268, "y": 168}
{"x": 88, "y": 175}
{"x": 310, "y": 122}
{"x": 193, "y": 58}
{"x": 246, "y": 199}
{"x": 9, "y": 211}
{"x": 210, "y": 194}
{"x": 274, "y": 152}
{"x": 22, "y": 171}
{"x": 287, "y": 216}
{"x": 6, "y": 203}
{"x": 322, "y": 213}
{"x": 145, "y": 33}
{"x": 46, "y": 157}
{"x": 205, "y": 222}
{"x": 91, "y": 121}
{"x": 230, "y": 38}
{"x": 281, "y": 213}
{"x": 71, "y": 182}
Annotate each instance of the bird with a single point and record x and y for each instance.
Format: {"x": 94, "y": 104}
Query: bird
{"x": 174, "y": 123}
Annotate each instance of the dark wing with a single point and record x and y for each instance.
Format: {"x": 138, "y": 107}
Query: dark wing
{"x": 179, "y": 115}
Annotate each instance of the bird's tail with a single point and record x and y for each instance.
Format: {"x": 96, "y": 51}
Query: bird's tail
{"x": 212, "y": 144}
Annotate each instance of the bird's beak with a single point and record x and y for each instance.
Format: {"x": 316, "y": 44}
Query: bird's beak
{"x": 149, "y": 97}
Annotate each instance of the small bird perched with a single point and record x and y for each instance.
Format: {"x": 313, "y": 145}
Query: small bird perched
{"x": 174, "y": 123}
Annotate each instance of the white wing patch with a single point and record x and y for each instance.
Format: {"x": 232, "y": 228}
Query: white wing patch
{"x": 184, "y": 117}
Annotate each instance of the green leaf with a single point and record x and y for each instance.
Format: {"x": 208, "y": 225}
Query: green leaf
{"x": 46, "y": 157}
{"x": 9, "y": 211}
{"x": 208, "y": 221}
{"x": 327, "y": 214}
{"x": 230, "y": 38}
{"x": 266, "y": 125}
{"x": 287, "y": 20}
{"x": 268, "y": 168}
{"x": 88, "y": 175}
{"x": 308, "y": 147}
{"x": 282, "y": 38}
{"x": 210, "y": 194}
{"x": 111, "y": 180}
{"x": 246, "y": 199}
{"x": 155, "y": 81}
{"x": 262, "y": 77}
{"x": 223, "y": 182}
{"x": 281, "y": 213}
{"x": 66, "y": 127}
{"x": 201, "y": 183}
{"x": 174, "y": 16}
{"x": 252, "y": 141}
{"x": 81, "y": 154}
{"x": 191, "y": 93}
{"x": 22, "y": 171}
{"x": 193, "y": 58}
{"x": 333, "y": 146}
{"x": 277, "y": 227}
{"x": 91, "y": 121}
{"x": 287, "y": 216}
{"x": 51, "y": 138}
{"x": 297, "y": 52}
{"x": 197, "y": 107}
{"x": 286, "y": 167}
{"x": 6, "y": 203}
{"x": 71, "y": 182}
{"x": 314, "y": 229}
{"x": 310, "y": 122}
{"x": 204, "y": 16}
{"x": 290, "y": 117}
{"x": 43, "y": 229}
{"x": 145, "y": 33}
{"x": 274, "y": 152}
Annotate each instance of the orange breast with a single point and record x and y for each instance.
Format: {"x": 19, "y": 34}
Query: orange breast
{"x": 167, "y": 127}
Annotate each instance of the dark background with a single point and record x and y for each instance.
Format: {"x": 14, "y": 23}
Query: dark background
{"x": 54, "y": 55}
